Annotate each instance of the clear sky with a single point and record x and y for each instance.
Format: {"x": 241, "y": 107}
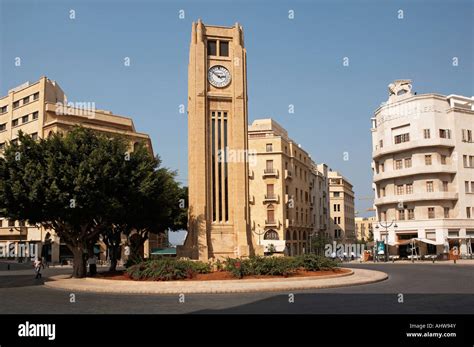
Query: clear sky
{"x": 295, "y": 61}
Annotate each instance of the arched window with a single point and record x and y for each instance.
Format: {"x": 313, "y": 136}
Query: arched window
{"x": 288, "y": 236}
{"x": 271, "y": 235}
{"x": 295, "y": 236}
{"x": 304, "y": 236}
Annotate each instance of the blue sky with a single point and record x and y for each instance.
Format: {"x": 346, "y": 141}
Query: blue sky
{"x": 296, "y": 61}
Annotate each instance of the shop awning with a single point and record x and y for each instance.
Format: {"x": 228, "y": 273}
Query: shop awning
{"x": 163, "y": 251}
{"x": 431, "y": 242}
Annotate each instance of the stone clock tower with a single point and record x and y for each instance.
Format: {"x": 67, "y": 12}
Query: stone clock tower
{"x": 219, "y": 218}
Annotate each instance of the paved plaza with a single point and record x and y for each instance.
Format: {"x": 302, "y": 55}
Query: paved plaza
{"x": 426, "y": 288}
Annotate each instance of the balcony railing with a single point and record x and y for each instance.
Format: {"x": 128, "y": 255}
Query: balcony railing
{"x": 271, "y": 198}
{"x": 270, "y": 172}
{"x": 271, "y": 223}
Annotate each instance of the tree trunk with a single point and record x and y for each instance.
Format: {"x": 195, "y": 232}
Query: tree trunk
{"x": 79, "y": 269}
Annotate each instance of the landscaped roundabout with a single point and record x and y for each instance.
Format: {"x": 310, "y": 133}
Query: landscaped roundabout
{"x": 179, "y": 276}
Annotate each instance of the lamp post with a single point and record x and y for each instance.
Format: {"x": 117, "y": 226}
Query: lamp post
{"x": 386, "y": 225}
{"x": 254, "y": 230}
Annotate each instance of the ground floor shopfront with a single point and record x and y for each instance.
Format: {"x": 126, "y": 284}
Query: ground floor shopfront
{"x": 417, "y": 238}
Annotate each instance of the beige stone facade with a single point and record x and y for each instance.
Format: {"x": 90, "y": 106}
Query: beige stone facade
{"x": 364, "y": 227}
{"x": 219, "y": 215}
{"x": 288, "y": 191}
{"x": 39, "y": 109}
{"x": 341, "y": 206}
{"x": 423, "y": 165}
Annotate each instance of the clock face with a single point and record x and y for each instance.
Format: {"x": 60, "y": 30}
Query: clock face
{"x": 218, "y": 76}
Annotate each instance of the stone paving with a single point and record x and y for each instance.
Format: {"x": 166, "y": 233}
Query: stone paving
{"x": 355, "y": 277}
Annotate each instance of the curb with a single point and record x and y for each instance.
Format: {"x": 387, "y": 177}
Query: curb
{"x": 355, "y": 277}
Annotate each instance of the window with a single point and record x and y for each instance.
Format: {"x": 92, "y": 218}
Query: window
{"x": 426, "y": 133}
{"x": 36, "y": 96}
{"x": 269, "y": 147}
{"x": 428, "y": 159}
{"x": 11, "y": 223}
{"x": 25, "y": 119}
{"x": 382, "y": 191}
{"x": 398, "y": 164}
{"x": 14, "y": 122}
{"x": 446, "y": 212}
{"x": 381, "y": 143}
{"x": 443, "y": 159}
{"x": 399, "y": 190}
{"x": 382, "y": 167}
{"x": 409, "y": 188}
{"x": 4, "y": 109}
{"x": 211, "y": 47}
{"x": 466, "y": 187}
{"x": 26, "y": 100}
{"x": 466, "y": 135}
{"x": 3, "y": 126}
{"x": 269, "y": 166}
{"x": 445, "y": 133}
{"x": 401, "y": 214}
{"x": 411, "y": 213}
{"x": 445, "y": 186}
{"x": 16, "y": 104}
{"x": 407, "y": 162}
{"x": 402, "y": 138}
{"x": 383, "y": 216}
{"x": 468, "y": 212}
{"x": 431, "y": 212}
{"x": 224, "y": 48}
{"x": 429, "y": 186}
{"x": 472, "y": 186}
{"x": 336, "y": 194}
{"x": 35, "y": 115}
{"x": 270, "y": 214}
{"x": 270, "y": 191}
{"x": 34, "y": 136}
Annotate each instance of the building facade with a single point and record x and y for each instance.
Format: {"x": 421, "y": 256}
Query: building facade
{"x": 219, "y": 214}
{"x": 341, "y": 205}
{"x": 288, "y": 191}
{"x": 39, "y": 109}
{"x": 364, "y": 227}
{"x": 423, "y": 171}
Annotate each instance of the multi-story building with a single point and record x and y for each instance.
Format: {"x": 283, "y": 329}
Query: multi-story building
{"x": 39, "y": 109}
{"x": 423, "y": 165}
{"x": 364, "y": 227}
{"x": 288, "y": 191}
{"x": 341, "y": 206}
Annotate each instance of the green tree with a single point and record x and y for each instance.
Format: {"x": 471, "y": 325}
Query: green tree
{"x": 81, "y": 185}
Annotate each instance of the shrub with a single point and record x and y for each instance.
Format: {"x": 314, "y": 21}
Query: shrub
{"x": 257, "y": 265}
{"x": 167, "y": 269}
{"x": 313, "y": 262}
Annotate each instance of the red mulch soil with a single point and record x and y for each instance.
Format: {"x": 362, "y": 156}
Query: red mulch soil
{"x": 224, "y": 275}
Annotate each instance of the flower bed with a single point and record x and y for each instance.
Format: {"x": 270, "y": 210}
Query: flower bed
{"x": 253, "y": 267}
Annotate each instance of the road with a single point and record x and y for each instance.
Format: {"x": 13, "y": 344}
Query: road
{"x": 424, "y": 288}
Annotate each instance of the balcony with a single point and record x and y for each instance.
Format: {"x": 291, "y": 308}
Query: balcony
{"x": 419, "y": 170}
{"x": 270, "y": 173}
{"x": 288, "y": 174}
{"x": 271, "y": 198}
{"x": 395, "y": 199}
{"x": 401, "y": 147}
{"x": 271, "y": 223}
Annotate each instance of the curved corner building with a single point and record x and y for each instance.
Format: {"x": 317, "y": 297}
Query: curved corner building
{"x": 423, "y": 172}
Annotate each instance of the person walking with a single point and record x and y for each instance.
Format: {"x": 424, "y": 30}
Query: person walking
{"x": 38, "y": 264}
{"x": 92, "y": 265}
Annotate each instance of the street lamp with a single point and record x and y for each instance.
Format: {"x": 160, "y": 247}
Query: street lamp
{"x": 386, "y": 225}
{"x": 258, "y": 233}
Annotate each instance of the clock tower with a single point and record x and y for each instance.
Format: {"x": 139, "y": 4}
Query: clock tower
{"x": 219, "y": 214}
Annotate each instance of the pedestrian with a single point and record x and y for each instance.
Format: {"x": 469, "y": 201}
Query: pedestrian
{"x": 38, "y": 264}
{"x": 92, "y": 261}
{"x": 352, "y": 255}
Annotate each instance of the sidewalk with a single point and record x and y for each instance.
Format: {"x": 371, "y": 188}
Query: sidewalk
{"x": 355, "y": 277}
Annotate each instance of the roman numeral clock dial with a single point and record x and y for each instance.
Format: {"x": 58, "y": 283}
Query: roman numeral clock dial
{"x": 218, "y": 76}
